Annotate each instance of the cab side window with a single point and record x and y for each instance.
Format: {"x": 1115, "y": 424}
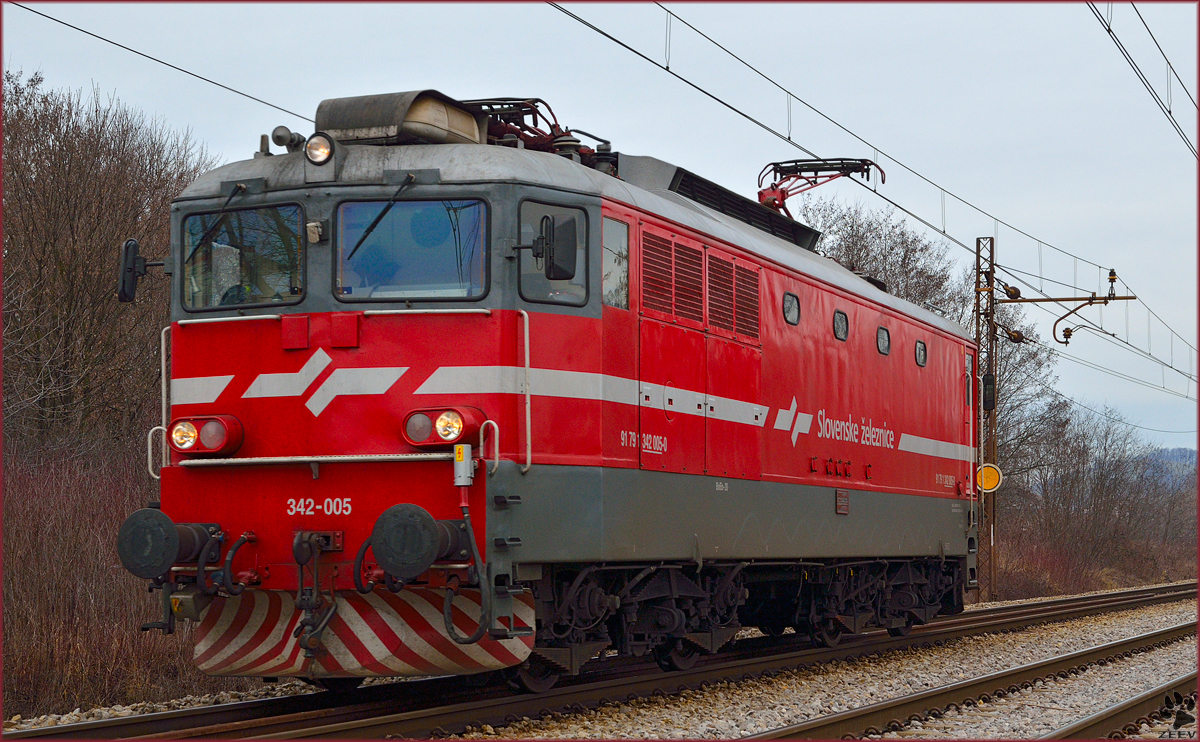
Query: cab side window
{"x": 534, "y": 285}
{"x": 615, "y": 284}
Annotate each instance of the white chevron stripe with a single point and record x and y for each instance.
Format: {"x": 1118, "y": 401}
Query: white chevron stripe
{"x": 353, "y": 381}
{"x": 290, "y": 385}
{"x": 198, "y": 389}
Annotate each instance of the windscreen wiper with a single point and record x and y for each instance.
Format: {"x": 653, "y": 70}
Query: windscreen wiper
{"x": 221, "y": 214}
{"x": 408, "y": 180}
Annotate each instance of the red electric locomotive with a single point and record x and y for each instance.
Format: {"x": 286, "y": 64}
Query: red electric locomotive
{"x": 450, "y": 392}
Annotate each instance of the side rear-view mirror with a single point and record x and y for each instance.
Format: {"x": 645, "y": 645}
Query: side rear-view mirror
{"x": 561, "y": 247}
{"x": 133, "y": 267}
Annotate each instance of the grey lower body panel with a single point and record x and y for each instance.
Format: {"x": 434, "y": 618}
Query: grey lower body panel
{"x": 591, "y": 514}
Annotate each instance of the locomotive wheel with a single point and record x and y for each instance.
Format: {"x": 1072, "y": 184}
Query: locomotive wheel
{"x": 337, "y": 685}
{"x": 828, "y": 636}
{"x": 535, "y": 676}
{"x": 676, "y": 655}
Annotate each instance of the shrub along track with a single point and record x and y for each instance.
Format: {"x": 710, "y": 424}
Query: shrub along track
{"x": 440, "y": 706}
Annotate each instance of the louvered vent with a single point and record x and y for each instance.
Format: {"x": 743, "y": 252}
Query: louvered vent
{"x": 747, "y": 302}
{"x": 720, "y": 293}
{"x": 656, "y": 273}
{"x": 689, "y": 283}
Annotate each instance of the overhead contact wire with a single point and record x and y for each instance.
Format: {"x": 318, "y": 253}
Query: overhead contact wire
{"x": 167, "y": 64}
{"x": 1144, "y": 80}
{"x": 784, "y": 138}
{"x": 878, "y": 152}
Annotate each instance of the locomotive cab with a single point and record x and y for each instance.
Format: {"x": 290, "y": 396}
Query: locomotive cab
{"x": 448, "y": 392}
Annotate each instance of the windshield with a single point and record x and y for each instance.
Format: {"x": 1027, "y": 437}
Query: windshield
{"x": 248, "y": 256}
{"x": 419, "y": 249}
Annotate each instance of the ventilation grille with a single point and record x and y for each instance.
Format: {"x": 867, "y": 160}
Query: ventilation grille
{"x": 720, "y": 293}
{"x": 707, "y": 193}
{"x": 656, "y": 273}
{"x": 746, "y": 302}
{"x": 689, "y": 283}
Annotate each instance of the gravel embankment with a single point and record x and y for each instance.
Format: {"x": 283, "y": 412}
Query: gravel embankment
{"x": 1049, "y": 706}
{"x": 731, "y": 710}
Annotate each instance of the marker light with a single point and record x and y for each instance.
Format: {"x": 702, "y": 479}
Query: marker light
{"x": 213, "y": 434}
{"x": 419, "y": 427}
{"x": 319, "y": 148}
{"x": 183, "y": 435}
{"x": 449, "y": 425}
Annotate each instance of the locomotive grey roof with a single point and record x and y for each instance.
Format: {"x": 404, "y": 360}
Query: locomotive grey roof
{"x": 472, "y": 163}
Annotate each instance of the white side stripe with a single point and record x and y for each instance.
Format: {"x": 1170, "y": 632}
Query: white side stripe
{"x": 671, "y": 399}
{"x": 198, "y": 389}
{"x": 290, "y": 385}
{"x": 544, "y": 382}
{"x": 548, "y": 382}
{"x": 353, "y": 381}
{"x": 940, "y": 449}
{"x": 735, "y": 411}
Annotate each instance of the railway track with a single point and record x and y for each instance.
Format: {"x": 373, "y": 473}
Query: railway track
{"x": 1125, "y": 718}
{"x": 439, "y": 706}
{"x": 895, "y": 713}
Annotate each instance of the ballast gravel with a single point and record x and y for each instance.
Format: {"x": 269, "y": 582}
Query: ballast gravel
{"x": 286, "y": 687}
{"x": 1052, "y": 705}
{"x": 727, "y": 710}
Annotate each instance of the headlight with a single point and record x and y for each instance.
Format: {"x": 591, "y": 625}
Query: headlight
{"x": 449, "y": 425}
{"x": 319, "y": 149}
{"x": 184, "y": 435}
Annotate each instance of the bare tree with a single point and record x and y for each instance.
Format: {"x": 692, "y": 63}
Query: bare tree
{"x": 81, "y": 175}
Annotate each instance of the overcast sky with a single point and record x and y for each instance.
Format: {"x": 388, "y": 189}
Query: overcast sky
{"x": 1028, "y": 111}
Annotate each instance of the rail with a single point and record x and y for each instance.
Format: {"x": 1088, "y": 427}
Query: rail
{"x": 441, "y": 705}
{"x": 888, "y": 715}
{"x": 1142, "y": 706}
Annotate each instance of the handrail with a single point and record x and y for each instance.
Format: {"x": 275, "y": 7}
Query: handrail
{"x": 162, "y": 376}
{"x": 482, "y": 452}
{"x": 210, "y": 320}
{"x": 528, "y": 423}
{"x": 333, "y": 459}
{"x": 375, "y": 312}
{"x": 150, "y": 450}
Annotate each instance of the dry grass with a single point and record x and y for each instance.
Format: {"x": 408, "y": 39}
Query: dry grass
{"x": 71, "y": 612}
{"x": 1033, "y": 568}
